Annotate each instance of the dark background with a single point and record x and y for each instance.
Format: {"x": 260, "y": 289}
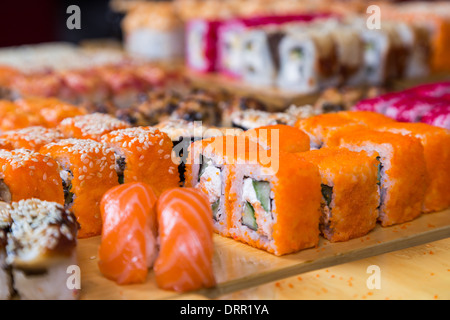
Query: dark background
{"x": 30, "y": 22}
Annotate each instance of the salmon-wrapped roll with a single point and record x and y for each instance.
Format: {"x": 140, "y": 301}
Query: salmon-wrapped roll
{"x": 31, "y": 138}
{"x": 276, "y": 204}
{"x": 50, "y": 110}
{"x": 144, "y": 154}
{"x": 87, "y": 172}
{"x": 90, "y": 126}
{"x": 436, "y": 146}
{"x": 350, "y": 194}
{"x": 321, "y": 127}
{"x": 27, "y": 174}
{"x": 403, "y": 172}
{"x": 283, "y": 137}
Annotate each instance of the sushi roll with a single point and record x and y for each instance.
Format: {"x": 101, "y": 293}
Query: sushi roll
{"x": 90, "y": 126}
{"x": 183, "y": 133}
{"x": 436, "y": 146}
{"x": 308, "y": 60}
{"x": 5, "y": 144}
{"x": 87, "y": 170}
{"x": 260, "y": 63}
{"x": 379, "y": 104}
{"x": 28, "y": 174}
{"x": 435, "y": 90}
{"x": 41, "y": 246}
{"x": 321, "y": 127}
{"x": 12, "y": 117}
{"x": 184, "y": 217}
{"x": 208, "y": 170}
{"x": 350, "y": 195}
{"x": 5, "y": 272}
{"x": 439, "y": 117}
{"x": 128, "y": 246}
{"x": 143, "y": 154}
{"x": 154, "y": 31}
{"x": 403, "y": 172}
{"x": 31, "y": 138}
{"x": 413, "y": 108}
{"x": 50, "y": 110}
{"x": 275, "y": 206}
{"x": 281, "y": 137}
{"x": 367, "y": 118}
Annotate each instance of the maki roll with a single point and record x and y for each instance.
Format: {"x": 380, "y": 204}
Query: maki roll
{"x": 402, "y": 172}
{"x": 87, "y": 170}
{"x": 439, "y": 117}
{"x": 275, "y": 209}
{"x": 5, "y": 144}
{"x": 51, "y": 111}
{"x": 90, "y": 126}
{"x": 436, "y": 146}
{"x": 31, "y": 138}
{"x": 208, "y": 170}
{"x": 5, "y": 274}
{"x": 413, "y": 108}
{"x": 143, "y": 154}
{"x": 27, "y": 174}
{"x": 321, "y": 127}
{"x": 282, "y": 137}
{"x": 260, "y": 63}
{"x": 12, "y": 117}
{"x": 350, "y": 194}
{"x": 367, "y": 118}
{"x": 41, "y": 246}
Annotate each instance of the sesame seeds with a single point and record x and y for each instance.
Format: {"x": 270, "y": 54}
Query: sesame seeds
{"x": 32, "y": 137}
{"x": 38, "y": 227}
{"x": 93, "y": 125}
{"x": 140, "y": 137}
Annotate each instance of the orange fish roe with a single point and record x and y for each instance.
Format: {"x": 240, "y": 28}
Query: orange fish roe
{"x": 29, "y": 174}
{"x": 91, "y": 126}
{"x": 51, "y": 110}
{"x": 88, "y": 168}
{"x": 283, "y": 137}
{"x": 32, "y": 138}
{"x": 321, "y": 127}
{"x": 349, "y": 191}
{"x": 367, "y": 118}
{"x": 5, "y": 144}
{"x": 436, "y": 146}
{"x": 11, "y": 117}
{"x": 147, "y": 155}
{"x": 403, "y": 174}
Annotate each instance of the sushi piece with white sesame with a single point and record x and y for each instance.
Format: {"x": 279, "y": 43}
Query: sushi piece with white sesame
{"x": 144, "y": 154}
{"x": 87, "y": 170}
{"x": 5, "y": 274}
{"x": 41, "y": 245}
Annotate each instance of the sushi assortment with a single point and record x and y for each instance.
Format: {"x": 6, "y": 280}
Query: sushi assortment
{"x": 428, "y": 103}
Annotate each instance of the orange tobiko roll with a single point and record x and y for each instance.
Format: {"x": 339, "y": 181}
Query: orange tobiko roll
{"x": 367, "y": 118}
{"x": 87, "y": 171}
{"x": 186, "y": 242}
{"x": 27, "y": 174}
{"x": 128, "y": 247}
{"x": 436, "y": 147}
{"x": 51, "y": 110}
{"x": 144, "y": 154}
{"x": 350, "y": 195}
{"x": 321, "y": 127}
{"x": 32, "y": 138}
{"x": 276, "y": 207}
{"x": 5, "y": 144}
{"x": 12, "y": 117}
{"x": 90, "y": 126}
{"x": 285, "y": 138}
{"x": 402, "y": 173}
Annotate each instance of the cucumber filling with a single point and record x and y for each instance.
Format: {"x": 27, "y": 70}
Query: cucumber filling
{"x": 204, "y": 163}
{"x": 262, "y": 190}
{"x": 248, "y": 216}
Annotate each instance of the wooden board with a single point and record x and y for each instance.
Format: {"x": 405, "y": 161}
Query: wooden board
{"x": 238, "y": 266}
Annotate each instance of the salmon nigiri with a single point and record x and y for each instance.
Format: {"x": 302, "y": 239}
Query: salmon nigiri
{"x": 128, "y": 247}
{"x": 184, "y": 262}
